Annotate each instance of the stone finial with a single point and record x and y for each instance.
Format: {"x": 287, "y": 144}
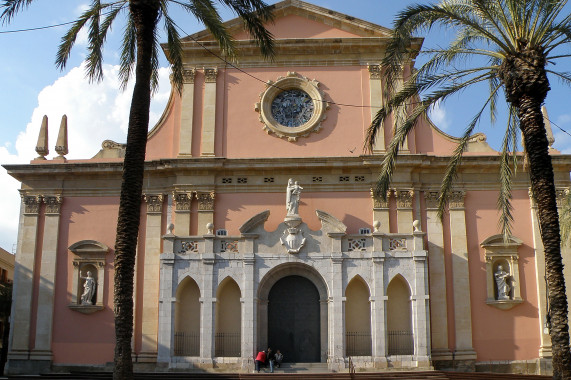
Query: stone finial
{"x": 42, "y": 145}
{"x": 61, "y": 144}
{"x": 548, "y": 130}
{"x": 210, "y": 228}
{"x": 416, "y": 226}
{"x": 376, "y": 225}
{"x": 170, "y": 229}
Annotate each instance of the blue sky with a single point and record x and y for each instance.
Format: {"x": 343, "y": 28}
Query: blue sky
{"x": 32, "y": 86}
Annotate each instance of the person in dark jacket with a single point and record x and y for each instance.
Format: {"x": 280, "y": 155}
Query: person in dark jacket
{"x": 270, "y": 357}
{"x": 260, "y": 360}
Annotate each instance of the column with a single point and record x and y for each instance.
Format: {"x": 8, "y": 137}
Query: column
{"x": 167, "y": 303}
{"x": 381, "y": 212}
{"x": 186, "y": 113}
{"x": 23, "y": 279}
{"x": 208, "y": 303}
{"x": 151, "y": 275}
{"x": 461, "y": 279}
{"x": 376, "y": 92}
{"x": 182, "y": 202}
{"x": 336, "y": 310}
{"x": 45, "y": 312}
{"x": 437, "y": 276}
{"x": 249, "y": 317}
{"x": 209, "y": 112}
{"x": 205, "y": 210}
{"x": 404, "y": 210}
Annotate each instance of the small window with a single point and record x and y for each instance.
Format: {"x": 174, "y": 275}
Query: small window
{"x": 344, "y": 178}
{"x": 221, "y": 232}
{"x": 226, "y": 180}
{"x": 242, "y": 180}
{"x": 359, "y": 178}
{"x": 364, "y": 231}
{"x": 317, "y": 179}
{"x": 268, "y": 179}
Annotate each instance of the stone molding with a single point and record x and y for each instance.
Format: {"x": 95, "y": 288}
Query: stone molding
{"x": 431, "y": 199}
{"x": 456, "y": 199}
{"x": 154, "y": 203}
{"x": 31, "y": 203}
{"x": 210, "y": 75}
{"x": 374, "y": 71}
{"x": 404, "y": 198}
{"x": 378, "y": 202}
{"x": 188, "y": 76}
{"x": 205, "y": 200}
{"x": 53, "y": 203}
{"x": 292, "y": 81}
{"x": 182, "y": 200}
{"x": 561, "y": 194}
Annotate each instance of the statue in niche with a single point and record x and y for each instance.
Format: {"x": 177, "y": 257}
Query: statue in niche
{"x": 88, "y": 289}
{"x": 504, "y": 288}
{"x": 292, "y": 197}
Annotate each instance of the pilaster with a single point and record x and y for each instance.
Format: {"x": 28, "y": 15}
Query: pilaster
{"x": 208, "y": 301}
{"x": 209, "y": 112}
{"x": 186, "y": 113}
{"x": 23, "y": 278}
{"x": 437, "y": 276}
{"x": 461, "y": 279}
{"x": 167, "y": 301}
{"x": 376, "y": 96}
{"x": 381, "y": 211}
{"x": 182, "y": 202}
{"x": 249, "y": 316}
{"x": 336, "y": 309}
{"x": 421, "y": 309}
{"x": 151, "y": 275}
{"x": 378, "y": 330}
{"x": 205, "y": 210}
{"x": 404, "y": 210}
{"x": 45, "y": 312}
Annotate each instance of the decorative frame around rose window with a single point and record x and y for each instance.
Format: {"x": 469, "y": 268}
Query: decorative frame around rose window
{"x": 292, "y": 81}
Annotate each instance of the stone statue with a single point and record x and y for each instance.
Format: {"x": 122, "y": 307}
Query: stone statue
{"x": 292, "y": 197}
{"x": 502, "y": 283}
{"x": 88, "y": 289}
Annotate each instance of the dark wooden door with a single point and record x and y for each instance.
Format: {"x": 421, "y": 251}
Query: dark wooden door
{"x": 294, "y": 321}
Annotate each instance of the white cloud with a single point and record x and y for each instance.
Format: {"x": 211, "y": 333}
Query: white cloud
{"x": 95, "y": 112}
{"x": 439, "y": 117}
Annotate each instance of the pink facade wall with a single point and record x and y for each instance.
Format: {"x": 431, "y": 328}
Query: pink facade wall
{"x": 84, "y": 218}
{"x": 502, "y": 334}
{"x": 351, "y": 208}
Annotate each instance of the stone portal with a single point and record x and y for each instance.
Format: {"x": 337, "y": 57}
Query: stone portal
{"x": 294, "y": 319}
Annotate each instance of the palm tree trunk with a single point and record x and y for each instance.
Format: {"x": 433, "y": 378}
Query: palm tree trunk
{"x": 144, "y": 14}
{"x": 543, "y": 187}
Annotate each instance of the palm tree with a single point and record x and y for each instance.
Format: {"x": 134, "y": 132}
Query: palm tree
{"x": 140, "y": 49}
{"x": 510, "y": 45}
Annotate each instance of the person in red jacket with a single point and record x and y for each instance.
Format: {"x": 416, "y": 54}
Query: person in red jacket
{"x": 260, "y": 360}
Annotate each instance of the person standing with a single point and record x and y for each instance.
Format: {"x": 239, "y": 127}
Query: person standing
{"x": 271, "y": 358}
{"x": 278, "y": 358}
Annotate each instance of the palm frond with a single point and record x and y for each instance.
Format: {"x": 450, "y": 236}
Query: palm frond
{"x": 11, "y": 8}
{"x": 175, "y": 50}
{"x": 128, "y": 53}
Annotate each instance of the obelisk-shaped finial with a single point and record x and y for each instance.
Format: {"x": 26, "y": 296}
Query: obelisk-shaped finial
{"x": 61, "y": 144}
{"x": 42, "y": 145}
{"x": 548, "y": 130}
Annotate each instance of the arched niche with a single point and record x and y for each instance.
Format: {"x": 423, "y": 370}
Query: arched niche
{"x": 357, "y": 318}
{"x": 187, "y": 319}
{"x": 399, "y": 317}
{"x": 89, "y": 256}
{"x": 502, "y": 271}
{"x": 228, "y": 320}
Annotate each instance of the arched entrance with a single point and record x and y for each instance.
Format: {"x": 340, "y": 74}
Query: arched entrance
{"x": 294, "y": 319}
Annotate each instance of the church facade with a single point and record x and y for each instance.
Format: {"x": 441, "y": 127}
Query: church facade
{"x": 259, "y": 228}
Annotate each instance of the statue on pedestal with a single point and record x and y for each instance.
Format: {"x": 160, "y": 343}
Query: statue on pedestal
{"x": 88, "y": 289}
{"x": 293, "y": 194}
{"x": 502, "y": 278}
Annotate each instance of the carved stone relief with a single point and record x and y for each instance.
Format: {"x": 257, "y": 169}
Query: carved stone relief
{"x": 53, "y": 204}
{"x": 205, "y": 201}
{"x": 182, "y": 201}
{"x": 456, "y": 199}
{"x": 404, "y": 198}
{"x": 210, "y": 75}
{"x": 374, "y": 71}
{"x": 31, "y": 203}
{"x": 154, "y": 203}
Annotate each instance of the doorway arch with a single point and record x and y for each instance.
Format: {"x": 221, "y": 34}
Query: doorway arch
{"x": 280, "y": 284}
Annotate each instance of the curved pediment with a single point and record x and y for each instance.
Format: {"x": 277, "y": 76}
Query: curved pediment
{"x": 498, "y": 240}
{"x": 330, "y": 223}
{"x": 89, "y": 247}
{"x": 254, "y": 221}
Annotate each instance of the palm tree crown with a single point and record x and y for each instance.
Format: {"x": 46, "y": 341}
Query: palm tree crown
{"x": 512, "y": 46}
{"x": 139, "y": 56}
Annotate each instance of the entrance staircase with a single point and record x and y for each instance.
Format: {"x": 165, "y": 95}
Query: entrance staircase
{"x": 282, "y": 374}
